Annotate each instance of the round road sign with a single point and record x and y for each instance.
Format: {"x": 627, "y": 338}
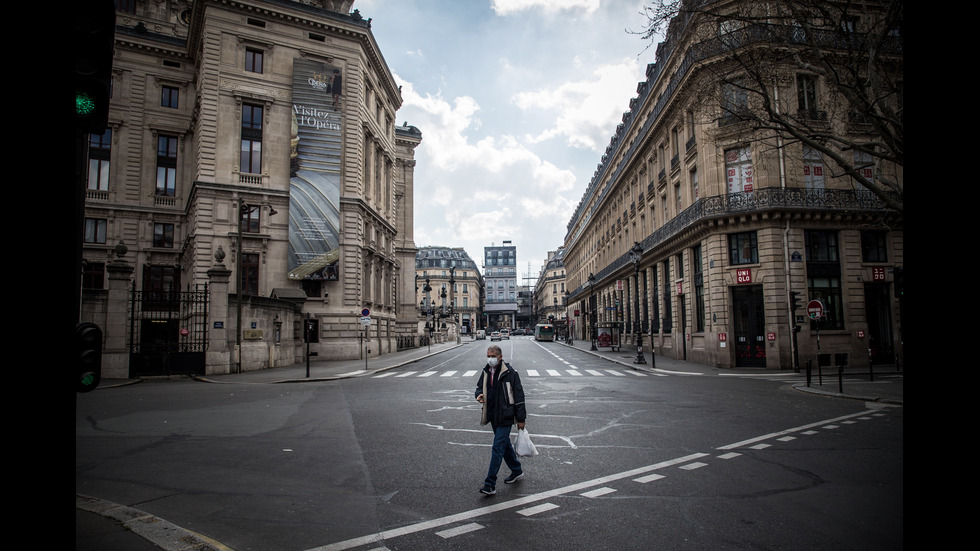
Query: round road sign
{"x": 814, "y": 309}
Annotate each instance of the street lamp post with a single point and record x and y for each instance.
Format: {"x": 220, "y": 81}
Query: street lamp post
{"x": 428, "y": 312}
{"x": 242, "y": 209}
{"x": 568, "y": 322}
{"x": 592, "y": 306}
{"x": 636, "y": 253}
{"x": 452, "y": 300}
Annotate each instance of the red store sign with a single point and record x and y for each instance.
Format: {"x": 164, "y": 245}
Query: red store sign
{"x": 743, "y": 275}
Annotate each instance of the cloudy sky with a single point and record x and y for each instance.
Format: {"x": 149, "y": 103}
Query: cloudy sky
{"x": 516, "y": 101}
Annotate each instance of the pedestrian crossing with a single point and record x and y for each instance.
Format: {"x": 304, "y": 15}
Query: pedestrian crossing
{"x": 570, "y": 371}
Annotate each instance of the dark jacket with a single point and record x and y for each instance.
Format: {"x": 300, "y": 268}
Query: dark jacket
{"x": 503, "y": 400}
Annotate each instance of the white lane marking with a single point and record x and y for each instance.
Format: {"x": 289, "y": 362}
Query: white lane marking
{"x": 553, "y": 372}
{"x": 729, "y": 455}
{"x": 406, "y": 374}
{"x": 616, "y": 373}
{"x": 464, "y": 529}
{"x": 803, "y": 429}
{"x": 382, "y": 375}
{"x": 573, "y": 373}
{"x": 428, "y": 374}
{"x": 381, "y": 536}
{"x": 598, "y": 492}
{"x": 637, "y": 373}
{"x": 596, "y": 373}
{"x": 692, "y": 466}
{"x": 470, "y": 373}
{"x": 448, "y": 374}
{"x": 537, "y": 509}
{"x": 648, "y": 478}
{"x": 532, "y": 372}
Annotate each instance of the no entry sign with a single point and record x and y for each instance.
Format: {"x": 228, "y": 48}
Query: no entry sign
{"x": 814, "y": 309}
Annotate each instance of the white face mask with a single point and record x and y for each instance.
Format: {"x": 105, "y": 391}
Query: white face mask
{"x": 492, "y": 362}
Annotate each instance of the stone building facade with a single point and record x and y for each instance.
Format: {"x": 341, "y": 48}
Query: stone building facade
{"x": 252, "y": 148}
{"x": 500, "y": 279}
{"x": 454, "y": 302}
{"x": 746, "y": 199}
{"x": 549, "y": 292}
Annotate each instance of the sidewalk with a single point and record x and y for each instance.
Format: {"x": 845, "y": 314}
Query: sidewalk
{"x": 884, "y": 384}
{"x": 322, "y": 370}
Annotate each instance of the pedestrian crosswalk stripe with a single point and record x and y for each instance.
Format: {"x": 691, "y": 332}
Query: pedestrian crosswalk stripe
{"x": 529, "y": 373}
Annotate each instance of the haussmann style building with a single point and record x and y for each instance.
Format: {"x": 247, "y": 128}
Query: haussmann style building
{"x": 252, "y": 198}
{"x": 449, "y": 292}
{"x": 748, "y": 211}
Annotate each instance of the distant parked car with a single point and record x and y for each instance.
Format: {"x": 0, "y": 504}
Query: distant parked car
{"x": 517, "y": 332}
{"x": 495, "y": 336}
{"x": 481, "y": 334}
{"x": 505, "y": 334}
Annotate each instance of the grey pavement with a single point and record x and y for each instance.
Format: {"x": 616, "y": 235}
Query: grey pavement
{"x": 105, "y": 526}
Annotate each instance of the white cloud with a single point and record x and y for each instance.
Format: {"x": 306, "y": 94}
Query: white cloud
{"x": 508, "y": 7}
{"x": 516, "y": 101}
{"x": 588, "y": 110}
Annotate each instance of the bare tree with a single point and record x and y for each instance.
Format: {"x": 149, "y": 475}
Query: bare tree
{"x": 844, "y": 59}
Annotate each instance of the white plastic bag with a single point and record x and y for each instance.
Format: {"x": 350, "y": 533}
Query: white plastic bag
{"x": 524, "y": 445}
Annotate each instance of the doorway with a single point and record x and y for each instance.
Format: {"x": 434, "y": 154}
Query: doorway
{"x": 749, "y": 319}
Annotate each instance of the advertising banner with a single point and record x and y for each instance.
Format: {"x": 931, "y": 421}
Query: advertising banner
{"x": 314, "y": 171}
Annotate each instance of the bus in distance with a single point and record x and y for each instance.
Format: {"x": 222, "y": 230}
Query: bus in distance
{"x": 544, "y": 332}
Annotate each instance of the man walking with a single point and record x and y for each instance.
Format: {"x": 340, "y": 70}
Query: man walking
{"x": 499, "y": 390}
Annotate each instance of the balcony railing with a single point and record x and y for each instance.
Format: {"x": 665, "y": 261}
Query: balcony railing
{"x": 765, "y": 199}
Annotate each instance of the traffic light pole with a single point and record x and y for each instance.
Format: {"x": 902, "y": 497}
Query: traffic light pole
{"x": 794, "y": 303}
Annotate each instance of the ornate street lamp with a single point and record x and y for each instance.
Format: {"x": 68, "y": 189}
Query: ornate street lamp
{"x": 592, "y": 306}
{"x": 636, "y": 253}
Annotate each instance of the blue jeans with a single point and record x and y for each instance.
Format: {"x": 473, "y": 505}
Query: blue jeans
{"x": 502, "y": 450}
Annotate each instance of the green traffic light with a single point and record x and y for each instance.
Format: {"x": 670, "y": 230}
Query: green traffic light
{"x": 84, "y": 103}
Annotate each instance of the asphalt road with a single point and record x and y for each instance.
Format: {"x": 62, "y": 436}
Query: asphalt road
{"x": 628, "y": 460}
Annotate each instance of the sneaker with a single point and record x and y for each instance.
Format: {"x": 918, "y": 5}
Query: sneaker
{"x": 488, "y": 490}
{"x": 514, "y": 477}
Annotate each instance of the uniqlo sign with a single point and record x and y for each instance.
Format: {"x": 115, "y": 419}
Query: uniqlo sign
{"x": 877, "y": 274}
{"x": 743, "y": 275}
